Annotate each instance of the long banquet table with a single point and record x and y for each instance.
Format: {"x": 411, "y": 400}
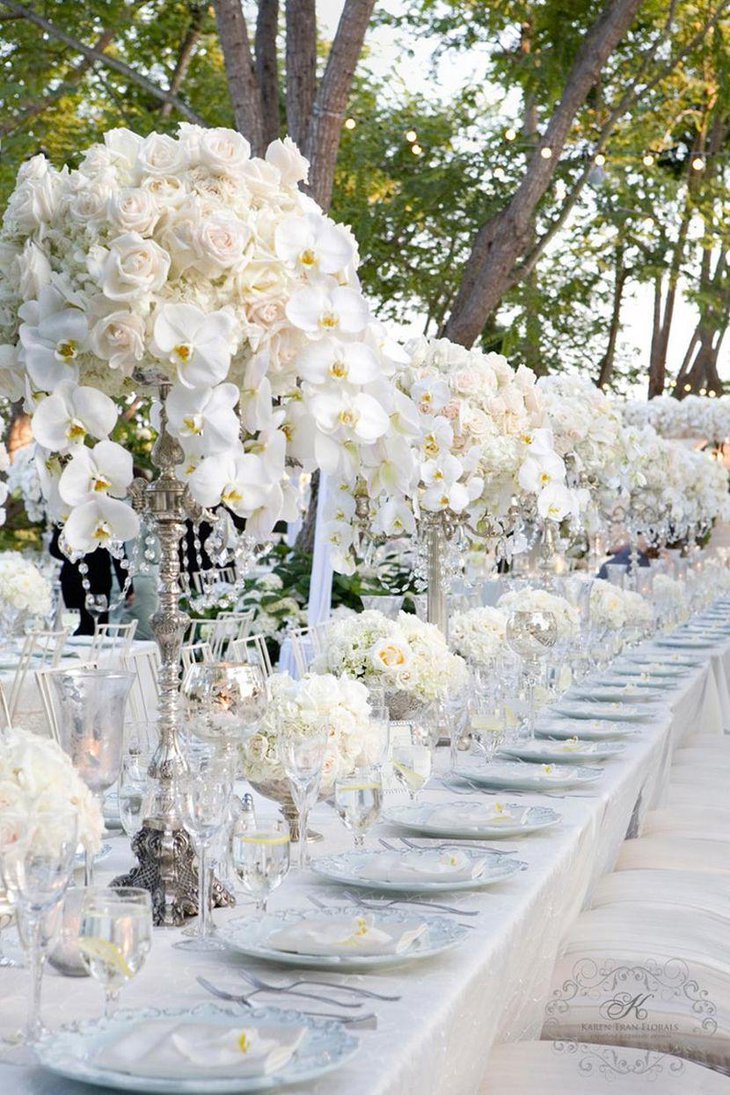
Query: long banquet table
{"x": 494, "y": 987}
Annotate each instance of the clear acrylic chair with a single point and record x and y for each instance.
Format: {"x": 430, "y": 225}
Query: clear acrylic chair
{"x": 40, "y": 649}
{"x": 251, "y": 651}
{"x": 142, "y": 701}
{"x": 191, "y": 653}
{"x": 112, "y": 641}
{"x": 307, "y": 643}
{"x": 226, "y": 629}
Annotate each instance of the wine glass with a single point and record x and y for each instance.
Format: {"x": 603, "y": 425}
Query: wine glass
{"x": 411, "y": 756}
{"x": 96, "y": 604}
{"x": 115, "y": 937}
{"x": 70, "y": 620}
{"x": 36, "y": 863}
{"x": 359, "y": 800}
{"x": 202, "y": 796}
{"x": 224, "y": 701}
{"x": 302, "y": 753}
{"x": 531, "y": 634}
{"x": 260, "y": 853}
{"x": 91, "y": 725}
{"x": 488, "y": 720}
{"x": 135, "y": 792}
{"x": 379, "y": 726}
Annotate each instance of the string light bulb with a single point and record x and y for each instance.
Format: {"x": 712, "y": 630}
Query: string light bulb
{"x": 416, "y": 149}
{"x": 698, "y": 164}
{"x": 703, "y": 391}
{"x": 648, "y": 160}
{"x": 688, "y": 387}
{"x": 546, "y": 153}
{"x": 350, "y": 123}
{"x": 510, "y": 134}
{"x": 599, "y": 159}
{"x": 411, "y": 136}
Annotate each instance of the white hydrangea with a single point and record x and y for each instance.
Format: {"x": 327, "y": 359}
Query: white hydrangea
{"x": 530, "y": 599}
{"x": 478, "y": 634}
{"x": 22, "y": 586}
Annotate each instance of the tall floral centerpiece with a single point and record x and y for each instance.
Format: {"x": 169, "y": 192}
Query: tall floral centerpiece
{"x": 183, "y": 269}
{"x": 484, "y": 447}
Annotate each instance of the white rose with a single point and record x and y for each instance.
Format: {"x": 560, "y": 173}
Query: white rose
{"x": 33, "y": 203}
{"x": 160, "y": 154}
{"x": 288, "y": 160}
{"x": 134, "y": 209}
{"x": 35, "y": 271}
{"x": 119, "y": 339}
{"x": 168, "y": 190}
{"x": 221, "y": 240}
{"x": 88, "y": 205}
{"x": 223, "y": 150}
{"x": 133, "y": 268}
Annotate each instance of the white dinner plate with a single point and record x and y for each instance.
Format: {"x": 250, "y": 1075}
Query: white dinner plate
{"x": 251, "y": 937}
{"x": 587, "y": 729}
{"x": 686, "y": 642}
{"x": 611, "y": 712}
{"x": 516, "y": 775}
{"x": 346, "y": 868}
{"x": 563, "y": 752}
{"x": 70, "y": 1050}
{"x": 433, "y": 819}
{"x": 620, "y": 693}
{"x": 652, "y": 670}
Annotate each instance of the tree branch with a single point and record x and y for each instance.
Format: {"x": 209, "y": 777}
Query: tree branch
{"x": 267, "y": 66}
{"x": 328, "y": 112}
{"x": 93, "y": 54}
{"x": 243, "y": 87}
{"x": 187, "y": 49}
{"x": 301, "y": 67}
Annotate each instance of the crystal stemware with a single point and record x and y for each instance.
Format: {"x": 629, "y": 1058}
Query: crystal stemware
{"x": 91, "y": 706}
{"x": 203, "y": 794}
{"x": 260, "y": 852}
{"x": 302, "y": 753}
{"x": 36, "y": 863}
{"x": 115, "y": 937}
{"x": 411, "y": 755}
{"x": 224, "y": 702}
{"x": 96, "y": 604}
{"x": 531, "y": 634}
{"x": 359, "y": 800}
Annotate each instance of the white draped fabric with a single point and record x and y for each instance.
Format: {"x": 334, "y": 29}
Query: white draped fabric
{"x": 492, "y": 989}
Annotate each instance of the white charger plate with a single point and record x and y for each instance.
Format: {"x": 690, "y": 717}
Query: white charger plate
{"x": 611, "y": 712}
{"x": 523, "y": 820}
{"x": 587, "y": 730}
{"x": 70, "y": 1050}
{"x": 545, "y": 751}
{"x": 250, "y": 937}
{"x": 516, "y": 775}
{"x": 346, "y": 867}
{"x": 620, "y": 693}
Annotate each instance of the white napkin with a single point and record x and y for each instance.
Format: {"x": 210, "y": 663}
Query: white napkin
{"x": 348, "y": 935}
{"x": 176, "y": 1050}
{"x": 472, "y": 815}
{"x": 449, "y": 866}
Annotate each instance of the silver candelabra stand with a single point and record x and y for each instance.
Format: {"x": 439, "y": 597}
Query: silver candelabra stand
{"x": 167, "y": 866}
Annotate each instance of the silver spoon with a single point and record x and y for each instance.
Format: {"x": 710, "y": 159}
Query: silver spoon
{"x": 365, "y": 1022}
{"x": 268, "y": 987}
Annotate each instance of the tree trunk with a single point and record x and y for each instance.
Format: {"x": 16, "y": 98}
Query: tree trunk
{"x": 489, "y": 267}
{"x": 267, "y": 67}
{"x": 301, "y": 67}
{"x": 185, "y": 56}
{"x": 243, "y": 86}
{"x": 328, "y": 111}
{"x": 664, "y": 313}
{"x": 606, "y": 370}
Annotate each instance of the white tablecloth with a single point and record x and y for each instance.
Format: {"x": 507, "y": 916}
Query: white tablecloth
{"x": 436, "y": 1040}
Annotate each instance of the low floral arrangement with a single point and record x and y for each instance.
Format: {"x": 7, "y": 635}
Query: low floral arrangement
{"x": 614, "y": 608}
{"x": 478, "y": 634}
{"x": 540, "y": 600}
{"x": 402, "y": 655}
{"x": 36, "y": 776}
{"x": 23, "y": 589}
{"x": 24, "y": 483}
{"x": 307, "y": 704}
{"x": 668, "y": 588}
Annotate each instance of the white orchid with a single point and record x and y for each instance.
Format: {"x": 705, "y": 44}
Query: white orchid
{"x": 204, "y": 419}
{"x": 238, "y": 480}
{"x": 98, "y": 523}
{"x": 325, "y": 310}
{"x": 555, "y": 502}
{"x": 52, "y": 340}
{"x": 196, "y": 344}
{"x": 66, "y": 418}
{"x": 332, "y": 361}
{"x": 104, "y": 470}
{"x": 541, "y": 471}
{"x": 313, "y": 245}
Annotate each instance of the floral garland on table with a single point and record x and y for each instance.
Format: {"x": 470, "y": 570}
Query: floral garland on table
{"x": 541, "y": 600}
{"x": 483, "y": 440}
{"x": 694, "y": 416}
{"x": 614, "y": 608}
{"x": 22, "y": 586}
{"x": 671, "y": 589}
{"x": 478, "y": 634}
{"x": 340, "y": 703}
{"x": 184, "y": 260}
{"x": 37, "y": 776}
{"x": 404, "y": 655}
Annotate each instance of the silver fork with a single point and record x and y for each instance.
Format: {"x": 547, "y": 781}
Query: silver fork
{"x": 388, "y": 902}
{"x": 438, "y": 847}
{"x": 362, "y": 1022}
{"x": 265, "y": 986}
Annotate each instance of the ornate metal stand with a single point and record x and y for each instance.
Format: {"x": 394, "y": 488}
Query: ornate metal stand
{"x": 164, "y": 849}
{"x": 437, "y": 530}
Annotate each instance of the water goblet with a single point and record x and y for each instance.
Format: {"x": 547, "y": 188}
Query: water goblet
{"x": 96, "y": 604}
{"x": 91, "y": 706}
{"x": 531, "y": 634}
{"x": 488, "y": 722}
{"x": 224, "y": 701}
{"x": 202, "y": 796}
{"x": 36, "y": 864}
{"x": 115, "y": 937}
{"x": 302, "y": 754}
{"x": 70, "y": 620}
{"x": 359, "y": 800}
{"x": 260, "y": 852}
{"x": 411, "y": 756}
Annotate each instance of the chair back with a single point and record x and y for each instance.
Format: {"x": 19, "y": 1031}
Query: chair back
{"x": 40, "y": 650}
{"x": 251, "y": 651}
{"x": 112, "y": 641}
{"x": 307, "y": 643}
